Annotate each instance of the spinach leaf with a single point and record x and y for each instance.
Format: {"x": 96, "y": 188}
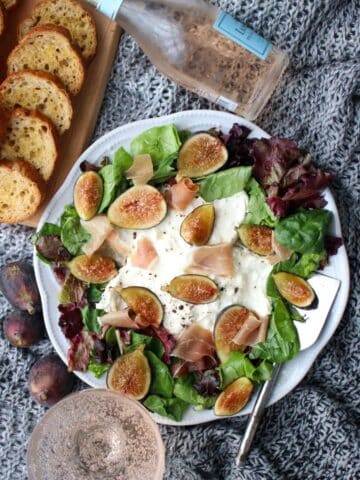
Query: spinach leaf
{"x": 159, "y": 142}
{"x": 258, "y": 211}
{"x": 152, "y": 344}
{"x": 283, "y": 322}
{"x": 185, "y": 391}
{"x": 304, "y": 231}
{"x": 45, "y": 230}
{"x": 113, "y": 177}
{"x": 173, "y": 408}
{"x": 165, "y": 170}
{"x": 110, "y": 337}
{"x": 94, "y": 293}
{"x": 238, "y": 365}
{"x": 162, "y": 383}
{"x": 73, "y": 235}
{"x": 89, "y": 318}
{"x": 302, "y": 265}
{"x": 98, "y": 369}
{"x": 224, "y": 183}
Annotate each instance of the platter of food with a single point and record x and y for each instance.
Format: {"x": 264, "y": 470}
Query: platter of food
{"x": 173, "y": 259}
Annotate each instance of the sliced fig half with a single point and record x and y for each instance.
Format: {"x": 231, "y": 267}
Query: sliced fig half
{"x": 200, "y": 155}
{"x": 196, "y": 289}
{"x": 140, "y": 207}
{"x": 88, "y": 194}
{"x": 257, "y": 238}
{"x": 130, "y": 375}
{"x": 227, "y": 326}
{"x": 234, "y": 397}
{"x": 93, "y": 269}
{"x": 197, "y": 227}
{"x": 294, "y": 289}
{"x": 145, "y": 304}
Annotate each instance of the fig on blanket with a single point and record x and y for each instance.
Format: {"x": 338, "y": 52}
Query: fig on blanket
{"x": 200, "y": 155}
{"x": 130, "y": 375}
{"x": 295, "y": 289}
{"x": 18, "y": 285}
{"x": 227, "y": 327}
{"x": 22, "y": 329}
{"x": 140, "y": 207}
{"x": 190, "y": 288}
{"x": 256, "y": 238}
{"x": 145, "y": 304}
{"x": 197, "y": 227}
{"x": 93, "y": 269}
{"x": 88, "y": 194}
{"x": 234, "y": 397}
{"x": 50, "y": 380}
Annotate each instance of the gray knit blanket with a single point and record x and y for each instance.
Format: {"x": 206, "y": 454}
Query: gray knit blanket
{"x": 312, "y": 432}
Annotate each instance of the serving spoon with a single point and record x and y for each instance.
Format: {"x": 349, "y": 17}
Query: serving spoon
{"x": 326, "y": 289}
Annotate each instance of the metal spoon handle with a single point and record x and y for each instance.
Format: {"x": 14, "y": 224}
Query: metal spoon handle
{"x": 256, "y": 415}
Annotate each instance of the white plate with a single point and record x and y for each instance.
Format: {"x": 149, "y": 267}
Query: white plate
{"x": 293, "y": 371}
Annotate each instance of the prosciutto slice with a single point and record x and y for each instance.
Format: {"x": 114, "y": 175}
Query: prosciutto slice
{"x": 213, "y": 259}
{"x": 194, "y": 344}
{"x": 125, "y": 318}
{"x": 145, "y": 254}
{"x": 181, "y": 194}
{"x": 252, "y": 331}
{"x": 141, "y": 170}
{"x": 99, "y": 228}
{"x": 280, "y": 254}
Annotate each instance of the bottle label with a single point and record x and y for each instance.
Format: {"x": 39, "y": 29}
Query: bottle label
{"x": 109, "y": 8}
{"x": 242, "y": 35}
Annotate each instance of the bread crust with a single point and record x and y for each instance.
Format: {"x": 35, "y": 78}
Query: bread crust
{"x": 2, "y": 18}
{"x": 64, "y": 33}
{"x": 10, "y": 5}
{"x": 32, "y": 22}
{"x": 39, "y": 188}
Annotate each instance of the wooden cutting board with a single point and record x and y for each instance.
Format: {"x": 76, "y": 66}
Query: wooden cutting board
{"x": 86, "y": 104}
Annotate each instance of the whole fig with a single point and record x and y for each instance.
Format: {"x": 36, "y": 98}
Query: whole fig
{"x": 18, "y": 285}
{"x": 22, "y": 329}
{"x": 50, "y": 380}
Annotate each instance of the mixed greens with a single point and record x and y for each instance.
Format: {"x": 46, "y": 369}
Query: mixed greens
{"x": 284, "y": 190}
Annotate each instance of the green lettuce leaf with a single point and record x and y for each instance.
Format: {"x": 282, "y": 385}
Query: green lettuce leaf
{"x": 304, "y": 231}
{"x": 173, "y": 408}
{"x": 185, "y": 391}
{"x": 224, "y": 183}
{"x": 162, "y": 383}
{"x": 45, "y": 230}
{"x": 158, "y": 142}
{"x": 258, "y": 211}
{"x": 238, "y": 365}
{"x": 165, "y": 170}
{"x": 89, "y": 318}
{"x": 152, "y": 344}
{"x": 113, "y": 177}
{"x": 73, "y": 235}
{"x": 94, "y": 293}
{"x": 98, "y": 369}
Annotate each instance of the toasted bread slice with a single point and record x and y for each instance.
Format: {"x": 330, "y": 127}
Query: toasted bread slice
{"x": 2, "y": 18}
{"x": 22, "y": 191}
{"x": 69, "y": 14}
{"x": 41, "y": 91}
{"x": 9, "y": 4}
{"x": 48, "y": 48}
{"x": 32, "y": 137}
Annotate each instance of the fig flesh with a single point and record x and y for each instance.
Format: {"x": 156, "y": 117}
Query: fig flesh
{"x": 197, "y": 227}
{"x": 197, "y": 289}
{"x": 93, "y": 269}
{"x": 234, "y": 397}
{"x": 18, "y": 285}
{"x": 294, "y": 289}
{"x": 227, "y": 326}
{"x": 257, "y": 238}
{"x": 145, "y": 304}
{"x": 200, "y": 155}
{"x": 22, "y": 329}
{"x": 88, "y": 194}
{"x": 140, "y": 207}
{"x": 130, "y": 375}
{"x": 50, "y": 380}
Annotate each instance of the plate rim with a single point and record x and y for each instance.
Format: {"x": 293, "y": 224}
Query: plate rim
{"x": 320, "y": 343}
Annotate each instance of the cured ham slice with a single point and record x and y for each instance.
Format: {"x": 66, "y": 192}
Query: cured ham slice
{"x": 141, "y": 170}
{"x": 246, "y": 333}
{"x": 213, "y": 259}
{"x": 145, "y": 254}
{"x": 126, "y": 318}
{"x": 280, "y": 254}
{"x": 194, "y": 344}
{"x": 182, "y": 367}
{"x": 181, "y": 194}
{"x": 99, "y": 228}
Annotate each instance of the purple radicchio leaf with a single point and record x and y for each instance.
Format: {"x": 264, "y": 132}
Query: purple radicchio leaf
{"x": 207, "y": 383}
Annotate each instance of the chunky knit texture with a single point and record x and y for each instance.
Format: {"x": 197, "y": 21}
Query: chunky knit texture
{"x": 311, "y": 434}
